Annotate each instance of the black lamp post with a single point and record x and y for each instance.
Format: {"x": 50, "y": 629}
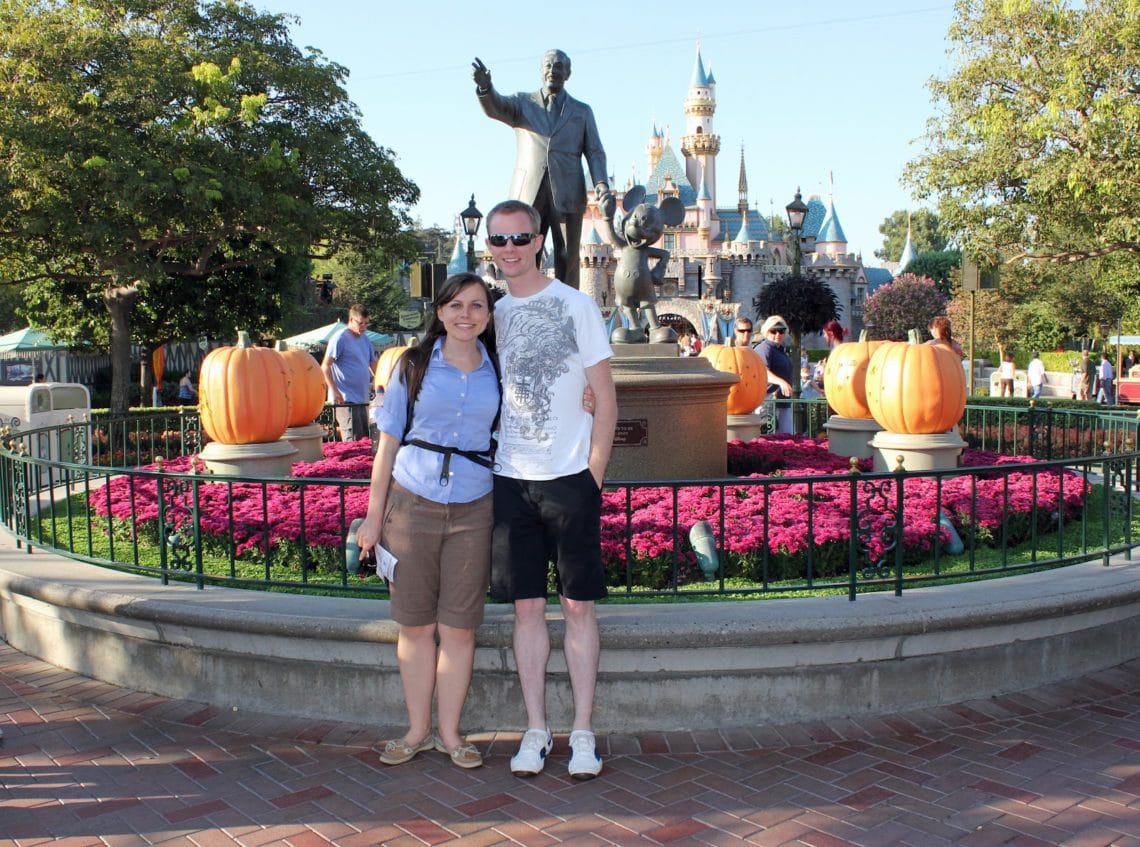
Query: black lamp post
{"x": 471, "y": 218}
{"x": 797, "y": 210}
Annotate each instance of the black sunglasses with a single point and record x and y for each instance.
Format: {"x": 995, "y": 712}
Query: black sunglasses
{"x": 519, "y": 239}
{"x": 744, "y": 329}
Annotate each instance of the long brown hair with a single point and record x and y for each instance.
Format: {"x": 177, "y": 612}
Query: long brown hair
{"x": 414, "y": 363}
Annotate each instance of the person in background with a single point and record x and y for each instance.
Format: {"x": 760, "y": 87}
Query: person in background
{"x": 833, "y": 333}
{"x": 685, "y": 343}
{"x": 186, "y": 390}
{"x": 942, "y": 333}
{"x": 741, "y": 333}
{"x": 430, "y": 505}
{"x": 1086, "y": 388}
{"x": 1006, "y": 373}
{"x": 1130, "y": 362}
{"x": 1035, "y": 375}
{"x": 771, "y": 349}
{"x": 1105, "y": 395}
{"x": 348, "y": 366}
{"x": 550, "y": 467}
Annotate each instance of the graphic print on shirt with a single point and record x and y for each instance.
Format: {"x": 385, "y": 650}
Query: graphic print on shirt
{"x": 540, "y": 341}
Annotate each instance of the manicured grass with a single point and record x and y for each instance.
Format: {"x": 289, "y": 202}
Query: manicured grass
{"x": 72, "y": 527}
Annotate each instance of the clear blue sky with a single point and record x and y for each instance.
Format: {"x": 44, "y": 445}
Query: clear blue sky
{"x": 808, "y": 89}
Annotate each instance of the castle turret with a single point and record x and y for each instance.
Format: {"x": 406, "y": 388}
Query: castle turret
{"x": 831, "y": 239}
{"x": 699, "y": 144}
{"x": 654, "y": 148}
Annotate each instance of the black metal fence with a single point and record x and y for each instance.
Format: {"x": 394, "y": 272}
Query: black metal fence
{"x": 78, "y": 489}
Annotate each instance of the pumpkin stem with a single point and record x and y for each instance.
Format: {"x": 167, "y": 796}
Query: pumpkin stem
{"x": 281, "y": 346}
{"x": 243, "y": 339}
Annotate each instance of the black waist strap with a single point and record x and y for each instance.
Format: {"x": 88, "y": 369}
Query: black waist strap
{"x": 485, "y": 458}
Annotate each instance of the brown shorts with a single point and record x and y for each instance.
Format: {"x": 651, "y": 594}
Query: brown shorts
{"x": 444, "y": 553}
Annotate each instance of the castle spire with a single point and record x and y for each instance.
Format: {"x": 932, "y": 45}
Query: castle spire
{"x": 742, "y": 186}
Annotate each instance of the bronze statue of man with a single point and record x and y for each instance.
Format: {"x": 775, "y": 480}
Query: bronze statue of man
{"x": 553, "y": 132}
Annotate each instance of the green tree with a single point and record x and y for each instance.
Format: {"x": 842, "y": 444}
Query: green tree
{"x": 926, "y": 233}
{"x": 156, "y": 144}
{"x": 938, "y": 265}
{"x": 1035, "y": 150}
{"x": 805, "y": 302}
{"x": 908, "y": 302}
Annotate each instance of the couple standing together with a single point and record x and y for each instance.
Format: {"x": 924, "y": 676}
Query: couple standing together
{"x": 520, "y": 368}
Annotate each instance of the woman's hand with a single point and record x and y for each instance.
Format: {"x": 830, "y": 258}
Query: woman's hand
{"x": 368, "y": 533}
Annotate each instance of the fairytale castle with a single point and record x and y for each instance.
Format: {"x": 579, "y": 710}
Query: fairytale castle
{"x": 720, "y": 256}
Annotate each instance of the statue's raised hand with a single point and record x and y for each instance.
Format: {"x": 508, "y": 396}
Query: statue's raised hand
{"x": 481, "y": 75}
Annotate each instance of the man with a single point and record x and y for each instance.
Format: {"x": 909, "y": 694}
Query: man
{"x": 1088, "y": 376}
{"x": 553, "y": 132}
{"x": 771, "y": 349}
{"x": 1106, "y": 395}
{"x": 349, "y": 363}
{"x": 741, "y": 334}
{"x": 550, "y": 465}
{"x": 1035, "y": 375}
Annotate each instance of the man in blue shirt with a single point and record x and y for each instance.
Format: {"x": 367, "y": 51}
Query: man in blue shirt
{"x": 348, "y": 367}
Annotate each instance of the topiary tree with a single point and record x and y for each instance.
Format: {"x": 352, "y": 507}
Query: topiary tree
{"x": 909, "y": 302}
{"x": 806, "y": 303}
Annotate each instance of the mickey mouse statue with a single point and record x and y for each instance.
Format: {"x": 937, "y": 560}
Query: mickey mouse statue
{"x": 634, "y": 280}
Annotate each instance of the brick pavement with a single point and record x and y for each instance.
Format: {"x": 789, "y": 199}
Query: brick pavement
{"x": 86, "y": 763}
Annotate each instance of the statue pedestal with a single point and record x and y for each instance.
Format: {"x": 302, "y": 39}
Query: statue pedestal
{"x": 745, "y": 427}
{"x": 307, "y": 440}
{"x": 272, "y": 459}
{"x": 934, "y": 452}
{"x": 851, "y": 436}
{"x": 645, "y": 350}
{"x": 671, "y": 415}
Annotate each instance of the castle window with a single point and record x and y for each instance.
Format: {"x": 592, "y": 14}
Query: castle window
{"x": 670, "y": 241}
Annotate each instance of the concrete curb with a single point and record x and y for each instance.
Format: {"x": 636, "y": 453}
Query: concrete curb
{"x": 715, "y": 664}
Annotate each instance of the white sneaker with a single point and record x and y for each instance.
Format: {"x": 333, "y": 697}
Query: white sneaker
{"x": 531, "y": 757}
{"x": 585, "y": 763}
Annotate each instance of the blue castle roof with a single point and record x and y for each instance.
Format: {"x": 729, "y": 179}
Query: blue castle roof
{"x": 876, "y": 278}
{"x": 730, "y": 225}
{"x": 830, "y": 229}
{"x": 813, "y": 220}
{"x": 699, "y": 78}
{"x": 669, "y": 166}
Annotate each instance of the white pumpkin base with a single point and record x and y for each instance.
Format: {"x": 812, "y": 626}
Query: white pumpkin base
{"x": 919, "y": 452}
{"x": 851, "y": 436}
{"x": 307, "y": 440}
{"x": 259, "y": 461}
{"x": 745, "y": 427}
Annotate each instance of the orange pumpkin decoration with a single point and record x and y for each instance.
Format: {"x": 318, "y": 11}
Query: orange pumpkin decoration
{"x": 244, "y": 394}
{"x": 845, "y": 378}
{"x": 307, "y": 389}
{"x": 385, "y": 366}
{"x": 746, "y": 363}
{"x": 916, "y": 388}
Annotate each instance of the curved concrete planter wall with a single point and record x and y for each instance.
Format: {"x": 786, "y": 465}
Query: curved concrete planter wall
{"x": 663, "y": 666}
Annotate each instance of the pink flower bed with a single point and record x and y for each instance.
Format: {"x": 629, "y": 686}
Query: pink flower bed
{"x": 765, "y": 526}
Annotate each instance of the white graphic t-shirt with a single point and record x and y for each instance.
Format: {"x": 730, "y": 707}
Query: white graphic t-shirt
{"x": 546, "y": 342}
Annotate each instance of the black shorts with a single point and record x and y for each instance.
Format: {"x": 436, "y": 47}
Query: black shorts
{"x": 544, "y": 521}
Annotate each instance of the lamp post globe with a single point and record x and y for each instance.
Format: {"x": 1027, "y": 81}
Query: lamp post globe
{"x": 797, "y": 210}
{"x": 471, "y": 218}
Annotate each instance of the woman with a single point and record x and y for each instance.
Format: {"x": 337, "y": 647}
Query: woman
{"x": 942, "y": 333}
{"x": 1007, "y": 372}
{"x": 833, "y": 333}
{"x": 430, "y": 505}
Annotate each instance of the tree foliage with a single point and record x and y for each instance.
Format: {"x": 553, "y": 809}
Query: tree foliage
{"x": 166, "y": 153}
{"x": 926, "y": 233}
{"x": 1035, "y": 151}
{"x": 805, "y": 302}
{"x": 909, "y": 302}
{"x": 937, "y": 265}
